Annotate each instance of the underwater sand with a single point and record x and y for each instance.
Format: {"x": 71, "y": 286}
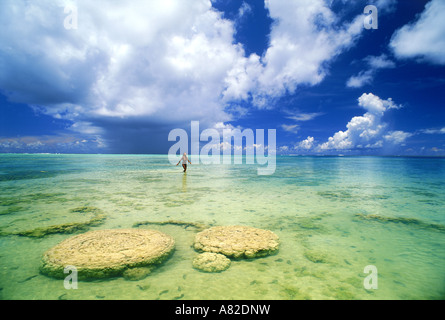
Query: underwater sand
{"x": 334, "y": 216}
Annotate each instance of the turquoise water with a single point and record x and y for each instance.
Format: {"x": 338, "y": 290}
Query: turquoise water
{"x": 334, "y": 216}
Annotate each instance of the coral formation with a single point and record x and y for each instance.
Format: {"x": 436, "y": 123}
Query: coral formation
{"x": 211, "y": 262}
{"x": 107, "y": 253}
{"x": 316, "y": 256}
{"x": 86, "y": 209}
{"x": 61, "y": 228}
{"x": 237, "y": 241}
{"x": 135, "y": 274}
{"x": 402, "y": 220}
{"x": 70, "y": 227}
{"x": 196, "y": 225}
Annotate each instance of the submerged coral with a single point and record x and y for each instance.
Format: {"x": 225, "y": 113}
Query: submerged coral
{"x": 237, "y": 241}
{"x": 402, "y": 220}
{"x": 211, "y": 262}
{"x": 107, "y": 253}
{"x": 86, "y": 209}
{"x": 335, "y": 195}
{"x": 135, "y": 274}
{"x": 61, "y": 228}
{"x": 70, "y": 227}
{"x": 198, "y": 226}
{"x": 316, "y": 256}
{"x": 10, "y": 209}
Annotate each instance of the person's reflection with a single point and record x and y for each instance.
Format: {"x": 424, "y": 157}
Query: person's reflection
{"x": 184, "y": 182}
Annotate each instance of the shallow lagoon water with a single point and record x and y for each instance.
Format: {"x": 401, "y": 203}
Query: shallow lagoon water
{"x": 334, "y": 216}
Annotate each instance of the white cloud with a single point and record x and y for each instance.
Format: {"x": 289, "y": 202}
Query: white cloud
{"x": 425, "y": 37}
{"x": 159, "y": 63}
{"x": 144, "y": 58}
{"x": 164, "y": 61}
{"x": 244, "y": 9}
{"x": 379, "y": 62}
{"x": 397, "y": 137}
{"x": 290, "y": 128}
{"x": 367, "y": 76}
{"x": 358, "y": 81}
{"x": 374, "y": 105}
{"x": 306, "y": 144}
{"x": 385, "y": 5}
{"x": 434, "y": 131}
{"x": 367, "y": 131}
{"x": 300, "y": 116}
{"x": 51, "y": 143}
{"x": 306, "y": 35}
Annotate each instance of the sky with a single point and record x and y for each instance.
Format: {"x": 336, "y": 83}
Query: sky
{"x": 110, "y": 76}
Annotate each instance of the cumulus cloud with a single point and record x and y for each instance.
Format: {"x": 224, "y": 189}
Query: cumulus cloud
{"x": 424, "y": 38}
{"x": 367, "y": 76}
{"x": 306, "y": 35}
{"x": 136, "y": 59}
{"x": 306, "y": 144}
{"x": 374, "y": 105}
{"x": 397, "y": 137}
{"x": 137, "y": 69}
{"x": 367, "y": 131}
{"x": 127, "y": 65}
{"x": 362, "y": 132}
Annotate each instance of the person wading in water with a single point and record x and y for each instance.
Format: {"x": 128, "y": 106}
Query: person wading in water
{"x": 184, "y": 160}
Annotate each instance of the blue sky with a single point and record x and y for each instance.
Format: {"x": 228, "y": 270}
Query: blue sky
{"x": 117, "y": 77}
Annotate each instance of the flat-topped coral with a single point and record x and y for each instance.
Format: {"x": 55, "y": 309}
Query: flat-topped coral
{"x": 237, "y": 241}
{"x": 107, "y": 253}
{"x": 211, "y": 262}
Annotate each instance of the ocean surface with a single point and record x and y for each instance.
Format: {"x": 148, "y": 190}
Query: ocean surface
{"x": 334, "y": 216}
